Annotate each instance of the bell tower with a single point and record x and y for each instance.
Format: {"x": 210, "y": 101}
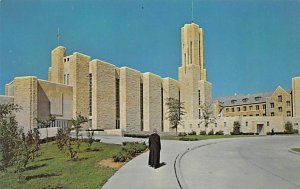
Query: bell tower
{"x": 195, "y": 90}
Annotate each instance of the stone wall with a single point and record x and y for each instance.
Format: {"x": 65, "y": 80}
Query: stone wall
{"x": 55, "y": 99}
{"x": 25, "y": 95}
{"x": 6, "y": 99}
{"x": 152, "y": 102}
{"x": 130, "y": 109}
{"x": 188, "y": 78}
{"x": 103, "y": 95}
{"x": 80, "y": 82}
{"x": 170, "y": 90}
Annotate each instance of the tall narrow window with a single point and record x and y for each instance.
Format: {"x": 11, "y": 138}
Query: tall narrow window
{"x": 199, "y": 97}
{"x": 117, "y": 103}
{"x": 162, "y": 109}
{"x": 200, "y": 51}
{"x": 199, "y": 112}
{"x": 68, "y": 79}
{"x": 191, "y": 54}
{"x": 62, "y": 104}
{"x": 179, "y": 102}
{"x": 142, "y": 106}
{"x": 279, "y": 98}
{"x": 90, "y": 93}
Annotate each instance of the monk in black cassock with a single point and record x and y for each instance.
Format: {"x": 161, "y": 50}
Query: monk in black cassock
{"x": 154, "y": 145}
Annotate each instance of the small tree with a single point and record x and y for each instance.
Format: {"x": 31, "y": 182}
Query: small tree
{"x": 64, "y": 142}
{"x": 76, "y": 123}
{"x": 32, "y": 143}
{"x": 23, "y": 155}
{"x": 236, "y": 127}
{"x": 10, "y": 135}
{"x": 62, "y": 138}
{"x": 36, "y": 140}
{"x": 90, "y": 135}
{"x": 175, "y": 112}
{"x": 206, "y": 114}
{"x": 288, "y": 127}
{"x": 16, "y": 148}
{"x": 46, "y": 123}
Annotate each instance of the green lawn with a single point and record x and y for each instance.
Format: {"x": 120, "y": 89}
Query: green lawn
{"x": 203, "y": 137}
{"x": 296, "y": 149}
{"x": 53, "y": 169}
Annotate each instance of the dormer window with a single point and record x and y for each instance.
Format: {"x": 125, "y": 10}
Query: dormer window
{"x": 245, "y": 99}
{"x": 233, "y": 101}
{"x": 257, "y": 98}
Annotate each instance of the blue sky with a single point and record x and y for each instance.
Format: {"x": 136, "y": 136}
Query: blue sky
{"x": 250, "y": 46}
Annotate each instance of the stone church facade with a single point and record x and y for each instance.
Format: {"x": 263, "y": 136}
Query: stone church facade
{"x": 119, "y": 100}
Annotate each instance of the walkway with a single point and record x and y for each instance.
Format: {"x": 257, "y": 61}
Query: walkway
{"x": 222, "y": 163}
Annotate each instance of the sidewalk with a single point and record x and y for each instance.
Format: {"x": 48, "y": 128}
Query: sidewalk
{"x": 136, "y": 174}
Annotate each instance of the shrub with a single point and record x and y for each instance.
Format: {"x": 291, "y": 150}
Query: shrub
{"x": 187, "y": 139}
{"x": 182, "y": 134}
{"x": 236, "y": 127}
{"x": 295, "y": 131}
{"x": 192, "y": 133}
{"x": 129, "y": 151}
{"x": 249, "y": 133}
{"x": 120, "y": 157}
{"x": 219, "y": 133}
{"x": 202, "y": 132}
{"x": 288, "y": 128}
{"x": 211, "y": 132}
{"x": 137, "y": 135}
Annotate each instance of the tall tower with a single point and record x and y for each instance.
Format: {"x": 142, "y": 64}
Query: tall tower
{"x": 195, "y": 90}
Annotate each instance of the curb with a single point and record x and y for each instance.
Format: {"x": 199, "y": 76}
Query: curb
{"x": 179, "y": 177}
{"x": 294, "y": 152}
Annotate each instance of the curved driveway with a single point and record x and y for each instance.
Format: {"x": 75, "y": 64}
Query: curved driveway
{"x": 258, "y": 162}
{"x": 261, "y": 162}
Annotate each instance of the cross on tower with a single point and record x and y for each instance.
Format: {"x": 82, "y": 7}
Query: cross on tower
{"x": 192, "y": 10}
{"x": 58, "y": 36}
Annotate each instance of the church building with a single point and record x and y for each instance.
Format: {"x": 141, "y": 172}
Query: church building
{"x": 124, "y": 100}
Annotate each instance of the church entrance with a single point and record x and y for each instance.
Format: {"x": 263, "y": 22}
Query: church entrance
{"x": 260, "y": 129}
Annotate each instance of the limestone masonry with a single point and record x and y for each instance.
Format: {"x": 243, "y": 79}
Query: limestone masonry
{"x": 124, "y": 100}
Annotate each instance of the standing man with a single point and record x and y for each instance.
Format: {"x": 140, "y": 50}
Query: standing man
{"x": 154, "y": 154}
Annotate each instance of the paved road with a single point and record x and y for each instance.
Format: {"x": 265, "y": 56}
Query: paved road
{"x": 262, "y": 162}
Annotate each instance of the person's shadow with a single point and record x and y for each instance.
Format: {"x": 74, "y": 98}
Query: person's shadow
{"x": 161, "y": 164}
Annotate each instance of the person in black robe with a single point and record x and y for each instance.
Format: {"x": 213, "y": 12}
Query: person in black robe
{"x": 154, "y": 154}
